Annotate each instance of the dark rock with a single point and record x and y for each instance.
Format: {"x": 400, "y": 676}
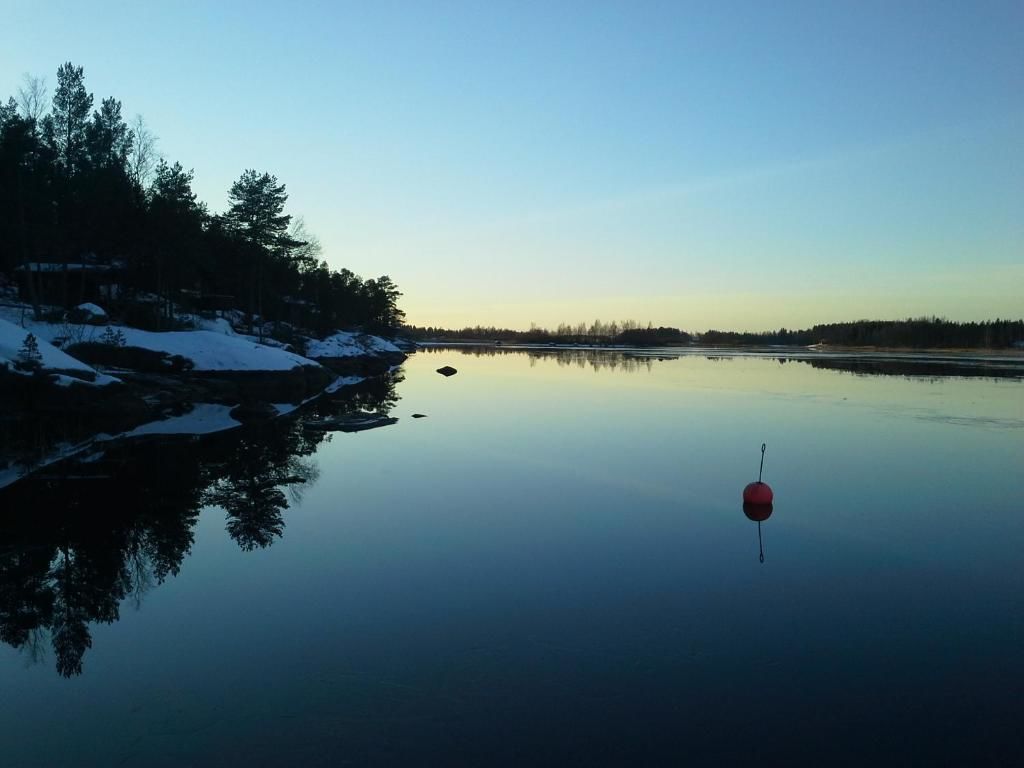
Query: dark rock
{"x": 419, "y": 415}
{"x": 447, "y": 371}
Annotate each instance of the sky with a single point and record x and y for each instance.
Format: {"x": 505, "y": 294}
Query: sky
{"x": 741, "y": 165}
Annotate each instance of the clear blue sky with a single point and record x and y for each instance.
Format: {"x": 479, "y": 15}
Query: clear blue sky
{"x": 716, "y": 164}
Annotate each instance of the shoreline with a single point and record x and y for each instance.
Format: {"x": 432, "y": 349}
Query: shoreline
{"x": 48, "y": 416}
{"x": 980, "y": 352}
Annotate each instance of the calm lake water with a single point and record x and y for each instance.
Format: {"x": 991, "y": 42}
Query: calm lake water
{"x": 552, "y": 568}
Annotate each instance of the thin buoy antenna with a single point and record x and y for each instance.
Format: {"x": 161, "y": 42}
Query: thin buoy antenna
{"x": 763, "y": 446}
{"x": 760, "y": 546}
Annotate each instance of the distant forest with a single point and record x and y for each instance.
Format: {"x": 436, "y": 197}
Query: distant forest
{"x": 626, "y": 332}
{"x": 919, "y": 333}
{"x": 916, "y": 333}
{"x": 89, "y": 211}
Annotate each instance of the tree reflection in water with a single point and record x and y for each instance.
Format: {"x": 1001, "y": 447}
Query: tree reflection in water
{"x": 79, "y": 540}
{"x": 249, "y": 486}
{"x": 932, "y": 365}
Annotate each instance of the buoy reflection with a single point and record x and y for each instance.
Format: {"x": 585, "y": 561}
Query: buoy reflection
{"x": 758, "y": 513}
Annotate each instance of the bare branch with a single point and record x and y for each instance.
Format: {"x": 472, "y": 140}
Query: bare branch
{"x": 307, "y": 253}
{"x": 144, "y": 155}
{"x": 32, "y": 97}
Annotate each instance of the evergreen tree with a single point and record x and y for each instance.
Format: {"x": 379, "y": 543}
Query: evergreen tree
{"x": 256, "y": 216}
{"x": 74, "y": 189}
{"x": 171, "y": 191}
{"x": 257, "y": 211}
{"x": 29, "y": 356}
{"x": 68, "y": 122}
{"x": 383, "y": 296}
{"x": 108, "y": 138}
{"x": 174, "y": 232}
{"x": 113, "y": 338}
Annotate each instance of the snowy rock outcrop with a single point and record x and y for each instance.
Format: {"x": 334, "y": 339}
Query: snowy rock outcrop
{"x": 348, "y": 352}
{"x": 45, "y": 356}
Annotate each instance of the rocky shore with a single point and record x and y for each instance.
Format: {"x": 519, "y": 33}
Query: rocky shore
{"x": 125, "y": 382}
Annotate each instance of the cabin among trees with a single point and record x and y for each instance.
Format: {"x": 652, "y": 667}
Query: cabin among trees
{"x": 70, "y": 283}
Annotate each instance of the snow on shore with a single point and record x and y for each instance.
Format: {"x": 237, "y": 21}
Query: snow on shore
{"x": 203, "y": 419}
{"x": 209, "y": 350}
{"x": 15, "y": 471}
{"x": 214, "y": 346}
{"x": 349, "y": 344}
{"x": 12, "y": 338}
{"x": 212, "y": 351}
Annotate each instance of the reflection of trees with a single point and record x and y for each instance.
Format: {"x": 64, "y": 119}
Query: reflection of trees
{"x": 265, "y": 463}
{"x": 378, "y": 394}
{"x": 594, "y": 358}
{"x": 69, "y": 621}
{"x": 89, "y": 543}
{"x": 251, "y": 482}
{"x": 26, "y": 599}
{"x": 83, "y": 537}
{"x": 628, "y": 361}
{"x": 254, "y": 516}
{"x": 920, "y": 367}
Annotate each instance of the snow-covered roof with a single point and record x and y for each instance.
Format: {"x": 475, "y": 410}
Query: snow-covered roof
{"x": 92, "y": 309}
{"x": 48, "y": 266}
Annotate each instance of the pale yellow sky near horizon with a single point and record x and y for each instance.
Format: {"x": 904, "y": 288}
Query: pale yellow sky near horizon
{"x": 817, "y": 240}
{"x": 956, "y": 294}
{"x": 689, "y": 315}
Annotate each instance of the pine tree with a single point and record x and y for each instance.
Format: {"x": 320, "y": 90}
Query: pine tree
{"x": 112, "y": 337}
{"x": 257, "y": 211}
{"x": 108, "y": 138}
{"x": 257, "y": 217}
{"x": 29, "y": 356}
{"x": 67, "y": 126}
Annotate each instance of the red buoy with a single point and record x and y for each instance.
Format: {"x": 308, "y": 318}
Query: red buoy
{"x": 758, "y": 493}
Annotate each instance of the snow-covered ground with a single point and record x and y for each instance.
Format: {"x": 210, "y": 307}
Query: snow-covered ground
{"x": 209, "y": 350}
{"x": 203, "y": 419}
{"x": 12, "y": 339}
{"x": 92, "y": 309}
{"x": 349, "y": 344}
{"x": 217, "y": 347}
{"x": 341, "y": 382}
{"x": 60, "y": 451}
{"x": 213, "y": 351}
{"x": 213, "y": 346}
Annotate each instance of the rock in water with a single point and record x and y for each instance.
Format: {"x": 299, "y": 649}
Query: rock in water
{"x": 419, "y": 415}
{"x": 447, "y": 371}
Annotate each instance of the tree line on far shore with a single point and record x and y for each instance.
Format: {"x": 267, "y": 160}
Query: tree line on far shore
{"x": 82, "y": 190}
{"x": 598, "y": 332}
{"x": 915, "y": 333}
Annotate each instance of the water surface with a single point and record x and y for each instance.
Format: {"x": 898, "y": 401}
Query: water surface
{"x": 552, "y": 568}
